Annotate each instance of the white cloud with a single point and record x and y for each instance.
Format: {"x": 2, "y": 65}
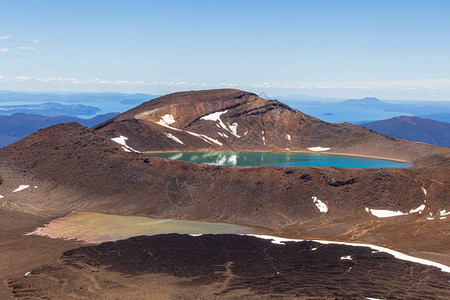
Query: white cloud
{"x": 26, "y": 48}
{"x": 22, "y": 78}
{"x": 436, "y": 89}
{"x": 5, "y": 38}
{"x": 35, "y": 41}
{"x": 4, "y": 50}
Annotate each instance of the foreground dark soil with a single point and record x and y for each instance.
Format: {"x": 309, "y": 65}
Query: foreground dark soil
{"x": 227, "y": 266}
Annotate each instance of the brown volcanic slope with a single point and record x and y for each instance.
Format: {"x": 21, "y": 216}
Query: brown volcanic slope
{"x": 234, "y": 120}
{"x": 76, "y": 168}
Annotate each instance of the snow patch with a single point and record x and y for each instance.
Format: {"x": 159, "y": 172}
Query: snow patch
{"x": 205, "y": 138}
{"x": 423, "y": 190}
{"x": 121, "y": 140}
{"x": 245, "y": 133}
{"x": 233, "y": 129}
{"x": 27, "y": 273}
{"x": 224, "y": 135}
{"x": 286, "y": 149}
{"x": 320, "y": 205}
{"x": 313, "y": 249}
{"x": 264, "y": 140}
{"x": 383, "y": 213}
{"x": 1, "y": 196}
{"x": 21, "y": 187}
{"x": 35, "y": 186}
{"x": 430, "y": 218}
{"x": 419, "y": 209}
{"x": 318, "y": 149}
{"x": 288, "y": 137}
{"x": 396, "y": 254}
{"x": 348, "y": 257}
{"x": 214, "y": 116}
{"x": 442, "y": 218}
{"x": 171, "y": 136}
{"x": 169, "y": 118}
{"x": 166, "y": 120}
{"x": 444, "y": 212}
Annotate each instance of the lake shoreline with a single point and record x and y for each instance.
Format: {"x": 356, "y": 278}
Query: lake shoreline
{"x": 296, "y": 151}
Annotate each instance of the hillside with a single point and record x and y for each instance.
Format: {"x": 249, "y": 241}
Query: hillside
{"x": 19, "y": 125}
{"x": 414, "y": 129}
{"x": 233, "y": 120}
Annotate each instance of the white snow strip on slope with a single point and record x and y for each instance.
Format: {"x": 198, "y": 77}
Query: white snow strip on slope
{"x": 288, "y": 137}
{"x": 318, "y": 149}
{"x": 171, "y": 136}
{"x": 383, "y": 213}
{"x": 396, "y": 254}
{"x": 444, "y": 212}
{"x": 224, "y": 135}
{"x": 1, "y": 196}
{"x": 419, "y": 209}
{"x": 27, "y": 273}
{"x": 233, "y": 129}
{"x": 201, "y": 136}
{"x": 320, "y": 205}
{"x": 205, "y": 138}
{"x": 121, "y": 140}
{"x": 214, "y": 116}
{"x": 423, "y": 190}
{"x": 125, "y": 149}
{"x": 21, "y": 187}
{"x": 167, "y": 119}
{"x": 348, "y": 257}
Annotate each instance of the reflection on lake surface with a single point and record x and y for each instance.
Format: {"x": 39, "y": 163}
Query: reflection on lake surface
{"x": 94, "y": 227}
{"x": 281, "y": 159}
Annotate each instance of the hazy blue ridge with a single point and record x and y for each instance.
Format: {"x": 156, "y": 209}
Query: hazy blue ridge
{"x": 17, "y": 126}
{"x": 414, "y": 129}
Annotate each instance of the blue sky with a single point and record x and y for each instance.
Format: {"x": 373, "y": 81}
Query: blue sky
{"x": 345, "y": 49}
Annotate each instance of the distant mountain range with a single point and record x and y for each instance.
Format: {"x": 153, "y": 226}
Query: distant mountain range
{"x": 414, "y": 129}
{"x": 20, "y": 125}
{"x": 367, "y": 102}
{"x": 51, "y": 109}
{"x": 68, "y": 104}
{"x": 369, "y": 109}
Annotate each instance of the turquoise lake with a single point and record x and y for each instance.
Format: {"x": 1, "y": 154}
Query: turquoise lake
{"x": 267, "y": 159}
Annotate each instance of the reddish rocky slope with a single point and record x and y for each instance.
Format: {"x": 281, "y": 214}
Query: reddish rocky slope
{"x": 234, "y": 120}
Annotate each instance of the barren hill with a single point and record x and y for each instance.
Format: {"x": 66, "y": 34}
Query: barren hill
{"x": 234, "y": 120}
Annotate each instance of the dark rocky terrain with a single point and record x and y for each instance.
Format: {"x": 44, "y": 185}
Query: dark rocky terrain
{"x": 77, "y": 168}
{"x": 228, "y": 266}
{"x": 414, "y": 129}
